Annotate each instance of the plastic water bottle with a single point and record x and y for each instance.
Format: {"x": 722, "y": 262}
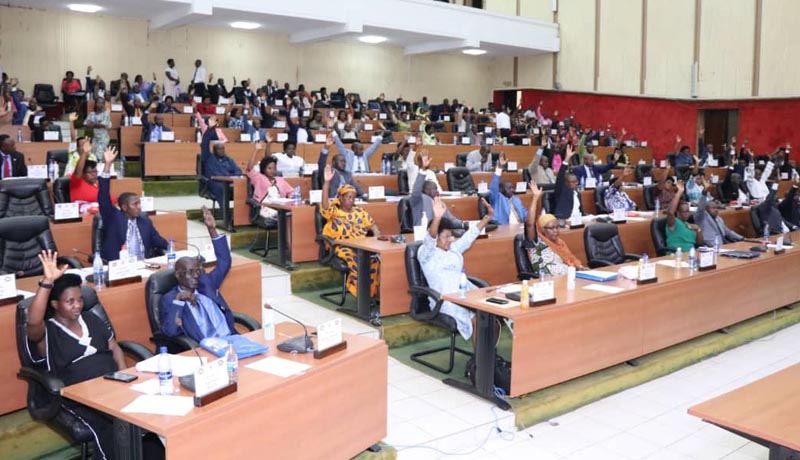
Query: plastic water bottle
{"x": 482, "y": 185}
{"x": 19, "y": 134}
{"x": 121, "y": 167}
{"x": 97, "y": 270}
{"x": 296, "y": 196}
{"x": 645, "y": 258}
{"x": 766, "y": 235}
{"x": 232, "y": 359}
{"x": 462, "y": 285}
{"x": 268, "y": 323}
{"x": 658, "y": 207}
{"x": 692, "y": 259}
{"x": 678, "y": 258}
{"x": 171, "y": 256}
{"x": 52, "y": 171}
{"x": 716, "y": 246}
{"x": 198, "y": 137}
{"x": 165, "y": 385}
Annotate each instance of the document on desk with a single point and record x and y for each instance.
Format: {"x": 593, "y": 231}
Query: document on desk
{"x": 604, "y": 288}
{"x": 181, "y": 365}
{"x": 671, "y": 263}
{"x": 160, "y": 405}
{"x": 278, "y": 366}
{"x": 148, "y": 387}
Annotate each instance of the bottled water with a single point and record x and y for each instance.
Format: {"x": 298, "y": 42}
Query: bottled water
{"x": 692, "y": 259}
{"x": 462, "y": 285}
{"x": 678, "y": 258}
{"x": 165, "y": 385}
{"x": 171, "y": 256}
{"x": 97, "y": 270}
{"x": 232, "y": 359}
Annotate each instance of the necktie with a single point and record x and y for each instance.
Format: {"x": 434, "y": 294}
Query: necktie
{"x": 134, "y": 240}
{"x": 6, "y": 166}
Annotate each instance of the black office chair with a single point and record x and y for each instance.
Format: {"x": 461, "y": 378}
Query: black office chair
{"x": 157, "y": 285}
{"x": 45, "y": 95}
{"x": 649, "y": 196}
{"x": 671, "y": 159}
{"x": 327, "y": 257}
{"x": 521, "y": 259}
{"x": 260, "y": 222}
{"x": 683, "y": 172}
{"x": 202, "y": 183}
{"x": 755, "y": 219}
{"x": 22, "y": 239}
{"x": 44, "y": 389}
{"x": 421, "y": 310}
{"x": 460, "y": 180}
{"x": 643, "y": 171}
{"x": 405, "y": 215}
{"x": 482, "y": 210}
{"x": 600, "y": 199}
{"x": 316, "y": 180}
{"x": 24, "y": 197}
{"x": 658, "y": 232}
{"x": 403, "y": 187}
{"x": 461, "y": 159}
{"x": 548, "y": 201}
{"x": 603, "y": 246}
{"x": 61, "y": 157}
{"x": 61, "y": 190}
{"x": 526, "y": 175}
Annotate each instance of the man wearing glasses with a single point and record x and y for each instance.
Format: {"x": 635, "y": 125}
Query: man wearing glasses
{"x": 194, "y": 307}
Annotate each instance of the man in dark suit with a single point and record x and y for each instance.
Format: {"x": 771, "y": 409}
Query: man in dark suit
{"x": 567, "y": 197}
{"x": 125, "y": 225}
{"x": 590, "y": 170}
{"x": 13, "y": 162}
{"x": 194, "y": 307}
{"x": 341, "y": 175}
{"x": 216, "y": 163}
{"x": 151, "y": 132}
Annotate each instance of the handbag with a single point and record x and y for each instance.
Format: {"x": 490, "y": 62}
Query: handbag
{"x": 502, "y": 373}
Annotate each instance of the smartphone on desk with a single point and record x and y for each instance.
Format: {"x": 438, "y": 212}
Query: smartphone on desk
{"x": 121, "y": 377}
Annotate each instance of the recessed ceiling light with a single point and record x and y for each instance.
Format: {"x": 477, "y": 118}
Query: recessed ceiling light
{"x": 372, "y": 39}
{"x": 84, "y": 7}
{"x": 245, "y": 25}
{"x": 474, "y": 51}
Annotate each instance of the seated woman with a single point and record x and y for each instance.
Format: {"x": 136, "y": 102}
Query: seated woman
{"x": 546, "y": 250}
{"x": 665, "y": 189}
{"x": 681, "y": 234}
{"x": 78, "y": 346}
{"x": 344, "y": 220}
{"x": 266, "y": 184}
{"x": 733, "y": 188}
{"x": 619, "y": 157}
{"x": 442, "y": 261}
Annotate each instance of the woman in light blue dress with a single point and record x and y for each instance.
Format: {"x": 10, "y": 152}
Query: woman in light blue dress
{"x": 442, "y": 261}
{"x": 99, "y": 122}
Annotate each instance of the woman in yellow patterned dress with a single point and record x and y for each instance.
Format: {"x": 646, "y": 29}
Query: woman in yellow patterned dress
{"x": 344, "y": 220}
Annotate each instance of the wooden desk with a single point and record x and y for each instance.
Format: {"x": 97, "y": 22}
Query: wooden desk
{"x": 180, "y": 158}
{"x": 127, "y": 184}
{"x": 335, "y": 409}
{"x": 36, "y": 152}
{"x": 130, "y": 141}
{"x": 125, "y": 306}
{"x": 78, "y": 235}
{"x": 241, "y": 212}
{"x": 764, "y": 411}
{"x": 585, "y": 331}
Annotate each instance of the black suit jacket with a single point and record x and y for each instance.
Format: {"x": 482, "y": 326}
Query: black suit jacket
{"x": 564, "y": 196}
{"x": 18, "y": 167}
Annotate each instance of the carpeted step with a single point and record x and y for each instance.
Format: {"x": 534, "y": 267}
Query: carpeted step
{"x": 23, "y": 438}
{"x": 170, "y": 187}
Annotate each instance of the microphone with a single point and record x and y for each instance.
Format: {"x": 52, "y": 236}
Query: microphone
{"x": 299, "y": 344}
{"x": 89, "y": 257}
{"x": 187, "y": 381}
{"x": 200, "y": 259}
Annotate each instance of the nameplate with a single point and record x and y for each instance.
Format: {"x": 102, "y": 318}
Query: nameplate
{"x": 282, "y": 137}
{"x": 619, "y": 216}
{"x": 315, "y": 196}
{"x": 526, "y": 141}
{"x": 714, "y": 179}
{"x": 280, "y": 124}
{"x": 662, "y": 164}
{"x": 188, "y": 109}
{"x": 381, "y": 116}
{"x": 483, "y": 187}
{"x": 712, "y": 162}
{"x": 207, "y": 252}
{"x": 377, "y": 192}
{"x": 329, "y": 334}
{"x": 576, "y": 221}
{"x": 536, "y": 131}
{"x": 278, "y": 103}
{"x": 591, "y": 182}
{"x": 319, "y": 138}
{"x": 167, "y": 136}
{"x": 219, "y": 110}
{"x": 511, "y": 166}
{"x": 37, "y": 171}
{"x": 446, "y": 118}
{"x": 647, "y": 180}
{"x": 784, "y": 176}
{"x": 643, "y": 144}
{"x": 706, "y": 260}
{"x": 147, "y": 203}
{"x": 542, "y": 293}
{"x": 465, "y": 140}
{"x": 66, "y": 212}
{"x": 121, "y": 269}
{"x": 331, "y": 114}
{"x": 521, "y": 187}
{"x": 374, "y": 139}
{"x": 8, "y": 286}
{"x": 412, "y": 139}
{"x": 116, "y": 107}
{"x": 647, "y": 273}
{"x": 50, "y": 135}
{"x": 490, "y": 141}
{"x": 367, "y": 126}
{"x": 224, "y": 100}
{"x": 197, "y": 99}
{"x": 553, "y": 131}
{"x": 595, "y": 142}
{"x": 211, "y": 377}
{"x": 245, "y": 137}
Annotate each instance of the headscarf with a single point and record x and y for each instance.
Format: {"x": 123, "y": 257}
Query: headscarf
{"x": 558, "y": 245}
{"x": 345, "y": 188}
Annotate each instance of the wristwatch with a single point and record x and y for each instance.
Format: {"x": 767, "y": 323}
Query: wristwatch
{"x": 42, "y": 284}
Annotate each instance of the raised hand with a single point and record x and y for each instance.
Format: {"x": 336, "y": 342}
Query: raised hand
{"x": 212, "y": 122}
{"x": 624, "y": 131}
{"x": 489, "y": 209}
{"x": 439, "y": 207}
{"x": 208, "y": 218}
{"x": 534, "y": 188}
{"x": 329, "y": 141}
{"x": 680, "y": 186}
{"x": 328, "y": 175}
{"x": 702, "y": 131}
{"x": 50, "y": 266}
{"x": 502, "y": 160}
{"x": 426, "y": 160}
{"x": 109, "y": 154}
{"x": 678, "y": 139}
{"x": 267, "y": 138}
{"x": 570, "y": 153}
{"x": 260, "y": 146}
{"x": 73, "y": 116}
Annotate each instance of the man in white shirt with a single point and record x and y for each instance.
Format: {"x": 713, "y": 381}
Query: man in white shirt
{"x": 757, "y": 181}
{"x": 479, "y": 160}
{"x": 503, "y": 122}
{"x": 199, "y": 78}
{"x": 289, "y": 164}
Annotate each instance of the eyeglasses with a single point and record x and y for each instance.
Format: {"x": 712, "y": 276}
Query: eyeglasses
{"x": 195, "y": 273}
{"x": 550, "y": 227}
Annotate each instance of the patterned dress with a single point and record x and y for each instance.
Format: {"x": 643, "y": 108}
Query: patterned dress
{"x": 342, "y": 225}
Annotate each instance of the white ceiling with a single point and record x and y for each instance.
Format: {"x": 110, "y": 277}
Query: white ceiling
{"x": 420, "y": 26}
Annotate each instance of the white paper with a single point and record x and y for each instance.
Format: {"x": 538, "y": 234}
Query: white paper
{"x": 197, "y": 99}
{"x": 575, "y": 220}
{"x": 446, "y": 118}
{"x": 511, "y": 166}
{"x": 490, "y": 141}
{"x": 245, "y": 137}
{"x": 282, "y": 137}
{"x": 483, "y": 187}
{"x": 591, "y": 182}
{"x": 329, "y": 334}
{"x": 381, "y": 116}
{"x": 647, "y": 180}
{"x": 315, "y": 196}
{"x": 376, "y": 192}
{"x": 319, "y": 138}
{"x": 487, "y": 130}
{"x": 278, "y": 103}
{"x": 544, "y": 290}
{"x": 278, "y": 366}
{"x": 368, "y": 127}
{"x": 121, "y": 269}
{"x": 712, "y": 162}
{"x": 219, "y": 110}
{"x": 50, "y": 135}
{"x": 66, "y": 211}
{"x": 223, "y": 101}
{"x": 8, "y": 286}
{"x": 521, "y": 187}
{"x": 447, "y": 166}
{"x": 211, "y": 377}
{"x": 553, "y": 131}
{"x": 148, "y": 387}
{"x": 136, "y": 121}
{"x": 663, "y": 164}
{"x": 188, "y": 109}
{"x": 168, "y": 136}
{"x": 526, "y": 141}
{"x": 671, "y": 263}
{"x": 160, "y": 405}
{"x": 595, "y": 142}
{"x": 536, "y": 131}
{"x": 619, "y": 215}
{"x": 116, "y": 107}
{"x": 181, "y": 365}
{"x": 412, "y": 139}
{"x": 147, "y": 203}
{"x": 604, "y": 288}
{"x": 647, "y": 272}
{"x": 37, "y": 171}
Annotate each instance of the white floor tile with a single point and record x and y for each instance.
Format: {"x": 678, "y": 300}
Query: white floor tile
{"x": 630, "y": 446}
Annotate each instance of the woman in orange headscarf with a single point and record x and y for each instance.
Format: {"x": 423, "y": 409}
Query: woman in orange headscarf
{"x": 344, "y": 220}
{"x": 546, "y": 250}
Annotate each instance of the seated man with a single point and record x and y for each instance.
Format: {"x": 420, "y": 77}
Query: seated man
{"x": 288, "y": 161}
{"x": 589, "y": 170}
{"x": 218, "y": 163}
{"x": 341, "y": 176}
{"x": 567, "y": 197}
{"x": 195, "y": 307}
{"x": 616, "y": 198}
{"x": 790, "y": 206}
{"x": 480, "y": 160}
{"x": 711, "y": 224}
{"x": 423, "y": 193}
{"x": 126, "y": 225}
{"x": 770, "y": 215}
{"x": 357, "y": 160}
{"x": 733, "y": 188}
{"x": 151, "y": 132}
{"x": 680, "y": 233}
{"x": 508, "y": 208}
{"x": 13, "y": 162}
{"x": 757, "y": 181}
{"x": 167, "y": 107}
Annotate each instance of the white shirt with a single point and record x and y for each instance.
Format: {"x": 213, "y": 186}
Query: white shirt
{"x": 172, "y": 73}
{"x": 288, "y": 165}
{"x": 576, "y": 203}
{"x": 360, "y": 164}
{"x": 503, "y": 121}
{"x": 302, "y": 136}
{"x": 200, "y": 75}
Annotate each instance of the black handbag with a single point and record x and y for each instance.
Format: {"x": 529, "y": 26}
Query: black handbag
{"x": 502, "y": 373}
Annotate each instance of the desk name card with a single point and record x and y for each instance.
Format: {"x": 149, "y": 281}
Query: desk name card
{"x": 368, "y": 127}
{"x": 381, "y": 116}
{"x": 446, "y": 118}
{"x": 188, "y": 109}
{"x": 526, "y": 141}
{"x": 319, "y": 138}
{"x": 619, "y": 215}
{"x": 521, "y": 187}
{"x": 197, "y": 99}
{"x": 219, "y": 110}
{"x": 50, "y": 135}
{"x": 591, "y": 182}
{"x": 223, "y": 101}
{"x": 278, "y": 103}
{"x": 66, "y": 211}
{"x": 282, "y": 137}
{"x": 706, "y": 260}
{"x": 490, "y": 141}
{"x": 553, "y": 131}
{"x": 211, "y": 377}
{"x": 487, "y": 130}
{"x": 647, "y": 180}
{"x": 542, "y": 292}
{"x": 37, "y": 171}
{"x": 8, "y": 286}
{"x": 121, "y": 269}
{"x": 376, "y": 192}
{"x": 315, "y": 196}
{"x": 147, "y": 203}
{"x": 511, "y": 166}
{"x": 329, "y": 334}
{"x": 465, "y": 140}
{"x": 483, "y": 187}
{"x": 167, "y": 136}
{"x": 116, "y": 107}
{"x": 536, "y": 131}
{"x": 647, "y": 272}
{"x": 576, "y": 220}
{"x": 280, "y": 124}
{"x": 245, "y": 137}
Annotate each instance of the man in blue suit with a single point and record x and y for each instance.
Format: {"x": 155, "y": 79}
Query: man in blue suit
{"x": 195, "y": 307}
{"x": 508, "y": 208}
{"x": 589, "y": 170}
{"x": 126, "y": 224}
{"x": 151, "y": 132}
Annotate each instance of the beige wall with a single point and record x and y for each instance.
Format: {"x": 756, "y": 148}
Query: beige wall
{"x": 72, "y": 41}
{"x": 780, "y": 47}
{"x": 501, "y": 6}
{"x": 576, "y": 20}
{"x": 620, "y": 46}
{"x": 727, "y": 31}
{"x": 670, "y": 48}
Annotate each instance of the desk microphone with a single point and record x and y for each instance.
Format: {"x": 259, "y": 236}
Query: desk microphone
{"x": 89, "y": 257}
{"x": 187, "y": 381}
{"x": 299, "y": 344}
{"x": 200, "y": 259}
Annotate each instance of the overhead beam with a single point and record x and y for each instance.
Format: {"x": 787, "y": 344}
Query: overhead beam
{"x": 325, "y": 33}
{"x": 182, "y": 15}
{"x": 442, "y": 45}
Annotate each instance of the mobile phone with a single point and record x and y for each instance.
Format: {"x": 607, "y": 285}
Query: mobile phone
{"x": 120, "y": 377}
{"x": 497, "y": 301}
{"x": 383, "y": 238}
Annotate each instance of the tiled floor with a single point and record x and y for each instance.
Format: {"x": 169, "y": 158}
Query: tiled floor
{"x": 428, "y": 420}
